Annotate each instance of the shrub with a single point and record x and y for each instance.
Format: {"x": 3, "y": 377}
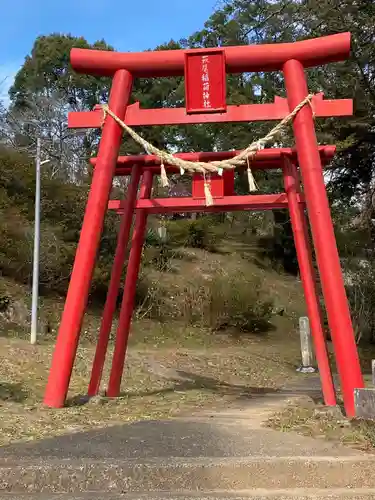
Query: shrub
{"x": 157, "y": 253}
{"x": 217, "y": 302}
{"x": 360, "y": 288}
{"x": 239, "y": 303}
{"x": 235, "y": 302}
{"x": 152, "y": 239}
{"x": 151, "y": 299}
{"x": 192, "y": 233}
{"x": 16, "y": 245}
{"x": 159, "y": 257}
{"x": 62, "y": 209}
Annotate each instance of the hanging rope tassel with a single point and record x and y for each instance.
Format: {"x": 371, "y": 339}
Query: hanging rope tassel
{"x": 250, "y": 178}
{"x": 251, "y": 181}
{"x": 163, "y": 176}
{"x": 207, "y": 192}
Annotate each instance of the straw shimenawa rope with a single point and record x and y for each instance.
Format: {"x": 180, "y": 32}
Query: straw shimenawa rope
{"x": 205, "y": 168}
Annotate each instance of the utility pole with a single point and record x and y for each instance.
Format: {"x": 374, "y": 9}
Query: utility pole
{"x": 35, "y": 291}
{"x": 34, "y": 303}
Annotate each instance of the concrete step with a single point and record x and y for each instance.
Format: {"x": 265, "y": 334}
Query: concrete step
{"x": 185, "y": 475}
{"x": 295, "y": 494}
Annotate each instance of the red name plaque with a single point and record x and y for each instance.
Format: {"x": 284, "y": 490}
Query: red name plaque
{"x": 220, "y": 185}
{"x": 205, "y": 81}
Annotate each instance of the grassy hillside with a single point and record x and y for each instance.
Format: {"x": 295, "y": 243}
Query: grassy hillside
{"x": 217, "y": 285}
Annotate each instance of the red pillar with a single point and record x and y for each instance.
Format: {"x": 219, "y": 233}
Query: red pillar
{"x": 324, "y": 238}
{"x": 76, "y": 300}
{"x": 114, "y": 285}
{"x": 300, "y": 233}
{"x": 127, "y": 305}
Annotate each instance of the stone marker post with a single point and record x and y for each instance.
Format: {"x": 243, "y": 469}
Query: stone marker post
{"x": 307, "y": 353}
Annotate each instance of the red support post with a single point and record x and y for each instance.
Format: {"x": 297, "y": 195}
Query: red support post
{"x": 323, "y": 236}
{"x": 300, "y": 233}
{"x": 114, "y": 285}
{"x": 127, "y": 306}
{"x": 76, "y": 300}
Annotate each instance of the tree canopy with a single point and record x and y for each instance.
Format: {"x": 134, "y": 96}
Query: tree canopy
{"x": 46, "y": 89}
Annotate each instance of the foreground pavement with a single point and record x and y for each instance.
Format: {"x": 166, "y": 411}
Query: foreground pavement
{"x": 227, "y": 454}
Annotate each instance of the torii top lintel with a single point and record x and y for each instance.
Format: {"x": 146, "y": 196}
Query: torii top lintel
{"x": 239, "y": 59}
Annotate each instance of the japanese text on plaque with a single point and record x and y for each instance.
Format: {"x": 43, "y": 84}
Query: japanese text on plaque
{"x": 205, "y": 83}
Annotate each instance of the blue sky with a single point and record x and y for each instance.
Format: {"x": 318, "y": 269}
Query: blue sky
{"x": 128, "y": 25}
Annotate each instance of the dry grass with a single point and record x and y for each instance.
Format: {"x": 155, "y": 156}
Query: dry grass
{"x": 159, "y": 382}
{"x": 321, "y": 422}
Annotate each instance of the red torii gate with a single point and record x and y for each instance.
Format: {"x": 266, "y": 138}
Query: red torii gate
{"x": 206, "y": 103}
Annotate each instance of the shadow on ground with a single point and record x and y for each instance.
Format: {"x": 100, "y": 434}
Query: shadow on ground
{"x": 152, "y": 439}
{"x": 12, "y": 392}
{"x": 183, "y": 381}
{"x": 187, "y": 381}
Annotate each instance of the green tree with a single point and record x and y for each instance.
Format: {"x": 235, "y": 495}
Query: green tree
{"x": 266, "y": 21}
{"x": 274, "y": 21}
{"x": 47, "y": 71}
